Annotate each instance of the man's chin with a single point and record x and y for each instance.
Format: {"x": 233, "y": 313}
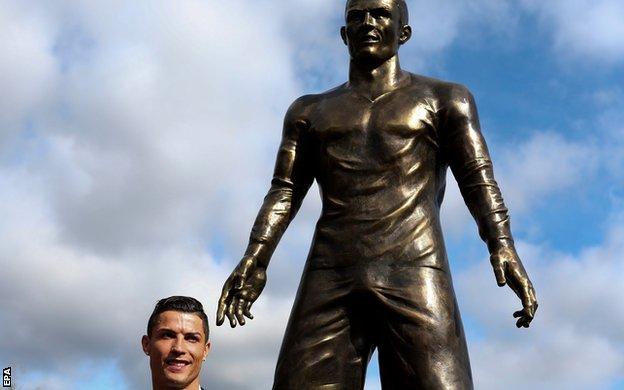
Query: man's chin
{"x": 369, "y": 55}
{"x": 177, "y": 380}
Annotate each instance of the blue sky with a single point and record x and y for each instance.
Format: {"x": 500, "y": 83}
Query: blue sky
{"x": 137, "y": 142}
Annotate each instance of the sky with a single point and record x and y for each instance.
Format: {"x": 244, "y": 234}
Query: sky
{"x": 137, "y": 141}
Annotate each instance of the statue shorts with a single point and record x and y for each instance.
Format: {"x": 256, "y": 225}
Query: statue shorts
{"x": 342, "y": 314}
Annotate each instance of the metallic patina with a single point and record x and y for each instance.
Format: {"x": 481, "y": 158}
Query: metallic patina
{"x": 377, "y": 275}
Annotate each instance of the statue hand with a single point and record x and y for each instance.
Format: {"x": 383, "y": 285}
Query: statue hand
{"x": 509, "y": 270}
{"x": 240, "y": 291}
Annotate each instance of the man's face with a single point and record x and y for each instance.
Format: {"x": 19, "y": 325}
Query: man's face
{"x": 177, "y": 348}
{"x": 373, "y": 31}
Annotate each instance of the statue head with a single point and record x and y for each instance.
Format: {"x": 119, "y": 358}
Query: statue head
{"x": 375, "y": 29}
{"x": 177, "y": 342}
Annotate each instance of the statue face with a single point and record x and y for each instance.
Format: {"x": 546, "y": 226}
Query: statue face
{"x": 177, "y": 348}
{"x": 373, "y": 31}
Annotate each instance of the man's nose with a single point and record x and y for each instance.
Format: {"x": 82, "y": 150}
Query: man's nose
{"x": 368, "y": 19}
{"x": 178, "y": 345}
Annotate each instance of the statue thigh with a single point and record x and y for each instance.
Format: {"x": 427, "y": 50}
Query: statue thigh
{"x": 342, "y": 314}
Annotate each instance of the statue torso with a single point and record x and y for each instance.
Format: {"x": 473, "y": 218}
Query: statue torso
{"x": 381, "y": 172}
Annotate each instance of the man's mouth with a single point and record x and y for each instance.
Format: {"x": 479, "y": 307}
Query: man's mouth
{"x": 370, "y": 38}
{"x": 176, "y": 365}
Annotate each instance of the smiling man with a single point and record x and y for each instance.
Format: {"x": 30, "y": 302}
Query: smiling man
{"x": 177, "y": 343}
{"x": 377, "y": 275}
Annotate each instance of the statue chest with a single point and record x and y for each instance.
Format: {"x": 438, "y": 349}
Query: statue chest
{"x": 384, "y": 131}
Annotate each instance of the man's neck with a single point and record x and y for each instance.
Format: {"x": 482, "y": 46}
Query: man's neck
{"x": 375, "y": 80}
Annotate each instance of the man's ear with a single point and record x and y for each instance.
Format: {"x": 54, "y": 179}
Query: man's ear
{"x": 206, "y": 349}
{"x": 406, "y": 34}
{"x": 145, "y": 344}
{"x": 343, "y": 34}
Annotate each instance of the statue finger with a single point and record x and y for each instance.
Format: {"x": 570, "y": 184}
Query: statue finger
{"x": 534, "y": 308}
{"x": 527, "y": 321}
{"x": 230, "y": 314}
{"x": 528, "y": 299}
{"x": 533, "y": 299}
{"x": 523, "y": 322}
{"x": 220, "y": 313}
{"x": 225, "y": 292}
{"x": 524, "y": 318}
{"x": 240, "y": 305}
{"x": 223, "y": 303}
{"x": 247, "y": 311}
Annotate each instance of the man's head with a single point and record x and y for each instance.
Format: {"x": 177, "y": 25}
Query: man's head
{"x": 176, "y": 342}
{"x": 374, "y": 29}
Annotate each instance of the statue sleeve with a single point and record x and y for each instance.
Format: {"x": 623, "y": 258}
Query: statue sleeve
{"x": 469, "y": 160}
{"x": 292, "y": 178}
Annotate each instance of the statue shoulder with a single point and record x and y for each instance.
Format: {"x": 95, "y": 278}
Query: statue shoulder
{"x": 301, "y": 106}
{"x": 451, "y": 93}
{"x": 304, "y": 106}
{"x": 459, "y": 93}
{"x": 443, "y": 91}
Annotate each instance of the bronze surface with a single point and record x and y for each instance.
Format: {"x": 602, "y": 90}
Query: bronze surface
{"x": 377, "y": 274}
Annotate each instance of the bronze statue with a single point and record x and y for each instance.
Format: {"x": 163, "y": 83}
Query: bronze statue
{"x": 377, "y": 274}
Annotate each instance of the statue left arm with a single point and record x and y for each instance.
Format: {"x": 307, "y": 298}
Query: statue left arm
{"x": 469, "y": 160}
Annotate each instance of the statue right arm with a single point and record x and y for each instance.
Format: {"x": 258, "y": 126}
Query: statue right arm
{"x": 292, "y": 177}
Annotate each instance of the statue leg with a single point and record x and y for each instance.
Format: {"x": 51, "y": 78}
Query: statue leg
{"x": 326, "y": 345}
{"x": 421, "y": 341}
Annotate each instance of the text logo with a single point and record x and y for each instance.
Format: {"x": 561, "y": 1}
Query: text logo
{"x": 6, "y": 377}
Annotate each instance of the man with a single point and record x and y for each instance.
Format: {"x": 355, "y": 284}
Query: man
{"x": 377, "y": 274}
{"x": 177, "y": 343}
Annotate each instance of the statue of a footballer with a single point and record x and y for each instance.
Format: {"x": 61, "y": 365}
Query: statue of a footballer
{"x": 377, "y": 274}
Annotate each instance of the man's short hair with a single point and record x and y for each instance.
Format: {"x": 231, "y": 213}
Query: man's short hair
{"x": 403, "y": 12}
{"x": 181, "y": 304}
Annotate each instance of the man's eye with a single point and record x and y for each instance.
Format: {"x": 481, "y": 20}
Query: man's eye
{"x": 167, "y": 335}
{"x": 354, "y": 16}
{"x": 380, "y": 13}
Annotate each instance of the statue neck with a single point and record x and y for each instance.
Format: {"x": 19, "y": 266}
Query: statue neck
{"x": 374, "y": 80}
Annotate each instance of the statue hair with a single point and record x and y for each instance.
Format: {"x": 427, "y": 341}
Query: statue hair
{"x": 403, "y": 12}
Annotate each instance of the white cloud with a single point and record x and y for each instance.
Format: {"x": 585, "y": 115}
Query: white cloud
{"x": 161, "y": 137}
{"x": 546, "y": 164}
{"x": 64, "y": 305}
{"x": 27, "y": 69}
{"x": 529, "y": 174}
{"x": 575, "y": 341}
{"x": 141, "y": 148}
{"x": 152, "y": 130}
{"x": 583, "y": 29}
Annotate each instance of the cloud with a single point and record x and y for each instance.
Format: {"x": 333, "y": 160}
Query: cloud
{"x": 529, "y": 174}
{"x": 546, "y": 164}
{"x": 64, "y": 305}
{"x": 311, "y": 28}
{"x": 137, "y": 144}
{"x": 579, "y": 310}
{"x": 27, "y": 70}
{"x": 588, "y": 31}
{"x": 160, "y": 139}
